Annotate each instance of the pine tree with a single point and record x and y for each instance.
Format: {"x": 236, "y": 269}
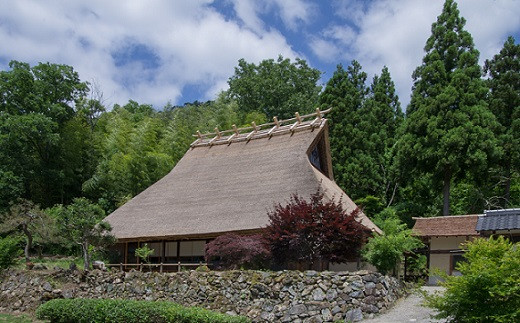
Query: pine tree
{"x": 345, "y": 93}
{"x": 448, "y": 129}
{"x": 504, "y": 101}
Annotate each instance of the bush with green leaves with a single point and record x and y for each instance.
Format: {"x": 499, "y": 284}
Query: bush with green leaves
{"x": 9, "y": 252}
{"x": 489, "y": 288}
{"x": 127, "y": 311}
{"x": 387, "y": 251}
{"x": 144, "y": 253}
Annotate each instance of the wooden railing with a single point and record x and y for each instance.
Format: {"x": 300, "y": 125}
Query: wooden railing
{"x": 161, "y": 267}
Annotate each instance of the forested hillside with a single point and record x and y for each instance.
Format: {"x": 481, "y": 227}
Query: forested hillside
{"x": 453, "y": 150}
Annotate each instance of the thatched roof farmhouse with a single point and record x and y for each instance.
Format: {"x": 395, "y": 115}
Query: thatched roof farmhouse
{"x": 227, "y": 182}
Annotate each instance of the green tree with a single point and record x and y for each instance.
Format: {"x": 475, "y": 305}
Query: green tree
{"x": 26, "y": 217}
{"x": 185, "y": 121}
{"x": 131, "y": 155}
{"x": 488, "y": 289}
{"x": 379, "y": 121}
{"x": 345, "y": 93}
{"x": 82, "y": 223}
{"x": 144, "y": 252}
{"x": 503, "y": 73}
{"x": 386, "y": 252}
{"x": 276, "y": 88}
{"x": 449, "y": 128}
{"x": 11, "y": 186}
{"x": 9, "y": 251}
{"x": 35, "y": 105}
{"x": 48, "y": 89}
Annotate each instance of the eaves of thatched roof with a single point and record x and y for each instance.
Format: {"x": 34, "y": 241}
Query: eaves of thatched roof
{"x": 230, "y": 186}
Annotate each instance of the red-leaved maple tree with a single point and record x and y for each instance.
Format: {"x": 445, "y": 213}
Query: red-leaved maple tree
{"x": 315, "y": 230}
{"x": 233, "y": 251}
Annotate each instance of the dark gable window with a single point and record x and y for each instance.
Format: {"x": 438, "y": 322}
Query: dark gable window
{"x": 315, "y": 158}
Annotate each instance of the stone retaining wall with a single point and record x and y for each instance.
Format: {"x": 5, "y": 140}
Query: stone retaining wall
{"x": 284, "y": 296}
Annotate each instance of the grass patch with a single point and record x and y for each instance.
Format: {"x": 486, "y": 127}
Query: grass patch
{"x": 23, "y": 318}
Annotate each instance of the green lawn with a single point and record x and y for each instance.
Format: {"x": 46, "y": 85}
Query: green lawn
{"x": 22, "y": 318}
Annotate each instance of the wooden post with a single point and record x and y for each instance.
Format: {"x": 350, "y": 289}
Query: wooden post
{"x": 161, "y": 268}
{"x": 318, "y": 113}
{"x": 121, "y": 266}
{"x": 405, "y": 266}
{"x": 126, "y": 253}
{"x": 178, "y": 266}
{"x": 298, "y": 117}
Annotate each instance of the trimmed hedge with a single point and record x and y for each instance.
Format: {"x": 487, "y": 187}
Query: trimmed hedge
{"x": 115, "y": 310}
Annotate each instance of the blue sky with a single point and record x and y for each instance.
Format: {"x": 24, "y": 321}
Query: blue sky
{"x": 159, "y": 51}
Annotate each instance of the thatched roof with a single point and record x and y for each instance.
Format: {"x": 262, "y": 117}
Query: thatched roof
{"x": 229, "y": 187}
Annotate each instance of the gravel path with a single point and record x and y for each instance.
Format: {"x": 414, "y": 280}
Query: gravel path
{"x": 409, "y": 309}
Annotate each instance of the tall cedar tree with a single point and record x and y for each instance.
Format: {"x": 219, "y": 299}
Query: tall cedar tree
{"x": 314, "y": 231}
{"x": 381, "y": 116}
{"x": 345, "y": 93}
{"x": 504, "y": 101}
{"x": 449, "y": 128}
{"x": 276, "y": 88}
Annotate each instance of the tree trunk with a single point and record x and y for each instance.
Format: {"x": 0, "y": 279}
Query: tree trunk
{"x": 507, "y": 186}
{"x": 393, "y": 196}
{"x": 446, "y": 194}
{"x": 28, "y": 244}
{"x": 86, "y": 256}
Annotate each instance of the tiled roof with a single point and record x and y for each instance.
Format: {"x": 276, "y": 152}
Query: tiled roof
{"x": 499, "y": 220}
{"x": 457, "y": 225}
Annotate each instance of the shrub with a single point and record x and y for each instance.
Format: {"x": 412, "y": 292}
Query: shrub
{"x": 387, "y": 251}
{"x": 489, "y": 288}
{"x": 144, "y": 253}
{"x": 232, "y": 251}
{"x": 9, "y": 252}
{"x": 127, "y": 311}
{"x": 314, "y": 231}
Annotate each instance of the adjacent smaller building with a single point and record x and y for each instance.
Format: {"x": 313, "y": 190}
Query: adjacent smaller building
{"x": 445, "y": 235}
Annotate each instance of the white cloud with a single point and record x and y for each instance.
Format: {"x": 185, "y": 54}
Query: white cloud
{"x": 192, "y": 42}
{"x": 194, "y": 45}
{"x": 394, "y": 32}
{"x": 294, "y": 12}
{"x": 291, "y": 12}
{"x": 326, "y": 50}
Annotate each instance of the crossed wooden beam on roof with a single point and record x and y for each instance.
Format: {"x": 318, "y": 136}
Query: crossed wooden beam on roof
{"x": 260, "y": 131}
